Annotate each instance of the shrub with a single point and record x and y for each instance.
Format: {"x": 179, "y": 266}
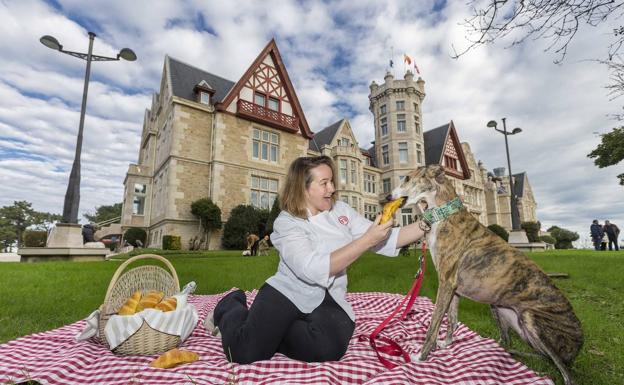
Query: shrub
{"x": 171, "y": 242}
{"x": 35, "y": 238}
{"x": 133, "y": 234}
{"x": 243, "y": 219}
{"x": 275, "y": 210}
{"x": 532, "y": 230}
{"x": 500, "y": 231}
{"x": 209, "y": 216}
{"x": 548, "y": 239}
{"x": 563, "y": 237}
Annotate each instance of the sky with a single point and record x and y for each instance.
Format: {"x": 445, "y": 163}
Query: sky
{"x": 332, "y": 51}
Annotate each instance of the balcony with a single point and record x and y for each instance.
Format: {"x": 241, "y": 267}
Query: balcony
{"x": 351, "y": 151}
{"x": 266, "y": 116}
{"x": 135, "y": 169}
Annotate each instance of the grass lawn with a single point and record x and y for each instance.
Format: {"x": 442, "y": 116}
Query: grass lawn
{"x": 42, "y": 296}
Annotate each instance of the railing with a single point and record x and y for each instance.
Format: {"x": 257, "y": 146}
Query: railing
{"x": 135, "y": 169}
{"x": 267, "y": 116}
{"x": 346, "y": 151}
{"x": 108, "y": 222}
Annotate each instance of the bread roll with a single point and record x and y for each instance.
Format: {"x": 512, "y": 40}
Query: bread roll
{"x": 173, "y": 358}
{"x": 129, "y": 308}
{"x": 167, "y": 304}
{"x": 149, "y": 300}
{"x": 389, "y": 209}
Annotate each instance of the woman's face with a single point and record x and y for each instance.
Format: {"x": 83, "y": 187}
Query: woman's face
{"x": 319, "y": 193}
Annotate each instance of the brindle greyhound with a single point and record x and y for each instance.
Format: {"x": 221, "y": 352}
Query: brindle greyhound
{"x": 473, "y": 262}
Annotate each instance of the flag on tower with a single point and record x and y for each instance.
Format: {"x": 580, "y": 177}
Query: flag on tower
{"x": 407, "y": 59}
{"x": 416, "y": 68}
{"x": 391, "y": 63}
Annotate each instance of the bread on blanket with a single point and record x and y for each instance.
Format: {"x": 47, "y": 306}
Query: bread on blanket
{"x": 150, "y": 299}
{"x": 389, "y": 209}
{"x": 173, "y": 358}
{"x": 167, "y": 304}
{"x": 130, "y": 307}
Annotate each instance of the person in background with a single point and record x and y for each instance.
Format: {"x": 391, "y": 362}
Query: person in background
{"x": 252, "y": 244}
{"x": 302, "y": 311}
{"x": 596, "y": 234}
{"x": 264, "y": 246}
{"x": 612, "y": 232}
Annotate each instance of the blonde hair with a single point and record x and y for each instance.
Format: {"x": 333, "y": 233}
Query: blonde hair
{"x": 298, "y": 179}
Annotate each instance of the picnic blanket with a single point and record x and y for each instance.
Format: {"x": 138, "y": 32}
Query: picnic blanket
{"x": 55, "y": 357}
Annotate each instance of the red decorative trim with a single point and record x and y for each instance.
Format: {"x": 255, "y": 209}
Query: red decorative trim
{"x": 266, "y": 116}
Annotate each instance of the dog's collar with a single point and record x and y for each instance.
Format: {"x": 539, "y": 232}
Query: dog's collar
{"x": 437, "y": 214}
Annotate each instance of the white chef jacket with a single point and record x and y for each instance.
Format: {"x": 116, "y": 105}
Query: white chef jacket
{"x": 305, "y": 245}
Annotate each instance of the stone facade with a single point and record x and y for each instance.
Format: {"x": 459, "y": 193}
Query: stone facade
{"x": 205, "y": 136}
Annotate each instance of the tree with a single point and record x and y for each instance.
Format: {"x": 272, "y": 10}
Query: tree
{"x": 104, "y": 213}
{"x": 532, "y": 230}
{"x": 8, "y": 237}
{"x": 554, "y": 20}
{"x": 610, "y": 151}
{"x": 21, "y": 216}
{"x": 209, "y": 215}
{"x": 243, "y": 219}
{"x": 563, "y": 237}
{"x": 275, "y": 210}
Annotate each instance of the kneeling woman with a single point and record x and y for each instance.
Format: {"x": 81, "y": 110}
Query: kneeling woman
{"x": 302, "y": 311}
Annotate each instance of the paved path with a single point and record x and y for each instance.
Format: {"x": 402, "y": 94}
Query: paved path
{"x": 9, "y": 257}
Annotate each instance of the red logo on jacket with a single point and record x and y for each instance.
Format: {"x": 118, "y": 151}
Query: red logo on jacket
{"x": 343, "y": 220}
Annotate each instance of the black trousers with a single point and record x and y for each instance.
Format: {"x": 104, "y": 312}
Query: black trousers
{"x": 613, "y": 241}
{"x": 274, "y": 324}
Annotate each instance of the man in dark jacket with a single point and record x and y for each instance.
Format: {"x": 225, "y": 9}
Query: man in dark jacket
{"x": 596, "y": 233}
{"x": 613, "y": 232}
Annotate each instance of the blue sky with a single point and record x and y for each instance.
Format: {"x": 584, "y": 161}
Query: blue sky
{"x": 332, "y": 50}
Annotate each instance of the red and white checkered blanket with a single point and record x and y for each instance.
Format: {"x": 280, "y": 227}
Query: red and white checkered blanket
{"x": 54, "y": 357}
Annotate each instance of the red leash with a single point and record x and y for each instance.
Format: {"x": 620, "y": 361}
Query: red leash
{"x": 391, "y": 347}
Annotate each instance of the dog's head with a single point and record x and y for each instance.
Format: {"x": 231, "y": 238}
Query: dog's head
{"x": 422, "y": 186}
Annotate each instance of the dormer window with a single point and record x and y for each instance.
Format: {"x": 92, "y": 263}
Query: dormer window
{"x": 260, "y": 99}
{"x": 266, "y": 102}
{"x": 274, "y": 104}
{"x": 204, "y": 97}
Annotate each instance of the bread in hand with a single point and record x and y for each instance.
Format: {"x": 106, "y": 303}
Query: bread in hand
{"x": 173, "y": 358}
{"x": 129, "y": 308}
{"x": 167, "y": 304}
{"x": 389, "y": 209}
{"x": 150, "y": 299}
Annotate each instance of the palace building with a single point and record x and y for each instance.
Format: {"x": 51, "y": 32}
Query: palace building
{"x": 206, "y": 136}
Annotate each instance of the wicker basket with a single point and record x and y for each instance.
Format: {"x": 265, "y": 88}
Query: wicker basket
{"x": 146, "y": 341}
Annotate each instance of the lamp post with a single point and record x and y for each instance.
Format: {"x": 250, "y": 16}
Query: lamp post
{"x": 515, "y": 217}
{"x": 72, "y": 196}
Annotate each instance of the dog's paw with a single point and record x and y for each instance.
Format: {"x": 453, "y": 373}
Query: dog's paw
{"x": 415, "y": 357}
{"x": 443, "y": 344}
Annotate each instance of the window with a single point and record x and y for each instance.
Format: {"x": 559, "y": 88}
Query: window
{"x": 343, "y": 171}
{"x": 406, "y": 217}
{"x": 400, "y": 105}
{"x": 418, "y": 153}
{"x": 450, "y": 162}
{"x": 415, "y": 106}
{"x": 369, "y": 183}
{"x": 385, "y": 155}
{"x": 403, "y": 152}
{"x": 263, "y": 192}
{"x": 345, "y": 199}
{"x": 138, "y": 203}
{"x": 265, "y": 146}
{"x": 401, "y": 179}
{"x": 353, "y": 172}
{"x": 274, "y": 104}
{"x": 416, "y": 125}
{"x": 401, "y": 123}
{"x": 354, "y": 202}
{"x": 384, "y": 126}
{"x": 260, "y": 99}
{"x": 370, "y": 211}
{"x": 204, "y": 97}
{"x": 387, "y": 186}
{"x": 382, "y": 110}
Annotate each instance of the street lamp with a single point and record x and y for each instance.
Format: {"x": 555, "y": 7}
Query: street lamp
{"x": 515, "y": 217}
{"x": 72, "y": 196}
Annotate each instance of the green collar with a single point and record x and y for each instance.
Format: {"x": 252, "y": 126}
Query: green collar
{"x": 439, "y": 213}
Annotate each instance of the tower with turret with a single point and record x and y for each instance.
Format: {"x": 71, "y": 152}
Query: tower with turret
{"x": 399, "y": 143}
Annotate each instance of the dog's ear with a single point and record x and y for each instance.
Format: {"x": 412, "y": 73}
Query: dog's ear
{"x": 439, "y": 175}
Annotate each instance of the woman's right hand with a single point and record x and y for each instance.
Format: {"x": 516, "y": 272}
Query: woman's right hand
{"x": 377, "y": 233}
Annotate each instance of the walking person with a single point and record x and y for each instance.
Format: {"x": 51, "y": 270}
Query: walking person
{"x": 596, "y": 234}
{"x": 302, "y": 311}
{"x": 612, "y": 232}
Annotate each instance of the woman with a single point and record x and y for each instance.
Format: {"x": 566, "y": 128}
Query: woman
{"x": 302, "y": 311}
